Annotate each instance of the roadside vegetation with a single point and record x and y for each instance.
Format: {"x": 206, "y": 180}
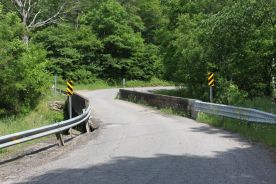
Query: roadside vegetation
{"x": 41, "y": 115}
{"x": 254, "y": 132}
{"x": 101, "y": 84}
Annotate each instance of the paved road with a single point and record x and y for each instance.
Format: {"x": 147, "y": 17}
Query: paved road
{"x": 138, "y": 145}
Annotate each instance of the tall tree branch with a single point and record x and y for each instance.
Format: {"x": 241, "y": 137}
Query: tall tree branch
{"x": 47, "y": 21}
{"x": 30, "y": 13}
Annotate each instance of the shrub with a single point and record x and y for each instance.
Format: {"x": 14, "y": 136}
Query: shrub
{"x": 23, "y": 76}
{"x": 229, "y": 93}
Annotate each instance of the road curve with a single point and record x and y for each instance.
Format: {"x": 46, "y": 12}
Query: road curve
{"x": 139, "y": 145}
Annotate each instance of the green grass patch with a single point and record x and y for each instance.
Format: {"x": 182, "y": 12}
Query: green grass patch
{"x": 41, "y": 115}
{"x": 101, "y": 84}
{"x": 264, "y": 133}
{"x": 171, "y": 111}
{"x": 97, "y": 84}
{"x": 153, "y": 82}
{"x": 179, "y": 92}
{"x": 260, "y": 103}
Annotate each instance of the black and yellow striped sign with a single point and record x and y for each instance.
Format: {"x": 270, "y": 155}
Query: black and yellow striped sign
{"x": 211, "y": 79}
{"x": 70, "y": 90}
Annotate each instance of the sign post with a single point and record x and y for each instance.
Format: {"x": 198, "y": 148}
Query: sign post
{"x": 124, "y": 82}
{"x": 70, "y": 92}
{"x": 211, "y": 84}
{"x": 55, "y": 84}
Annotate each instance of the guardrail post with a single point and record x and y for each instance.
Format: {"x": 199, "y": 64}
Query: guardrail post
{"x": 194, "y": 112}
{"x": 87, "y": 127}
{"x": 60, "y": 139}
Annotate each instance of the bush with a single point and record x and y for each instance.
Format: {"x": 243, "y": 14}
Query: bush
{"x": 153, "y": 82}
{"x": 82, "y": 76}
{"x": 23, "y": 76}
{"x": 229, "y": 93}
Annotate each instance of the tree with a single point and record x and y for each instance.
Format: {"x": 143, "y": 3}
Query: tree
{"x": 71, "y": 51}
{"x": 124, "y": 52}
{"x": 240, "y": 45}
{"x": 23, "y": 75}
{"x": 234, "y": 39}
{"x": 35, "y": 14}
{"x": 149, "y": 12}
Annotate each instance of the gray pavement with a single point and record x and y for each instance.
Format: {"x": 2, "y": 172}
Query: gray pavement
{"x": 139, "y": 145}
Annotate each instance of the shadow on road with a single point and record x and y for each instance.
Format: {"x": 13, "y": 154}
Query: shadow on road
{"x": 223, "y": 133}
{"x": 236, "y": 166}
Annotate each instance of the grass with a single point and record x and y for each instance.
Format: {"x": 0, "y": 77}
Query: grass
{"x": 101, "y": 84}
{"x": 171, "y": 111}
{"x": 260, "y": 103}
{"x": 256, "y": 132}
{"x": 98, "y": 84}
{"x": 153, "y": 82}
{"x": 40, "y": 116}
{"x": 180, "y": 92}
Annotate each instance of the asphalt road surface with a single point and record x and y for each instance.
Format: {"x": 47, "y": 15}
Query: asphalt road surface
{"x": 139, "y": 145}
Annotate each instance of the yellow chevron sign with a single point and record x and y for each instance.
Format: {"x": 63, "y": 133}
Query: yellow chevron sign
{"x": 70, "y": 90}
{"x": 211, "y": 79}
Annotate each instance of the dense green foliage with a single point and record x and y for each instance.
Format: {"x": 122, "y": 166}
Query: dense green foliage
{"x": 106, "y": 44}
{"x": 178, "y": 40}
{"x": 234, "y": 39}
{"x": 71, "y": 53}
{"x": 23, "y": 76}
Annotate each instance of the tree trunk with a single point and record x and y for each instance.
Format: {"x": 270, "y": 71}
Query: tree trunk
{"x": 25, "y": 39}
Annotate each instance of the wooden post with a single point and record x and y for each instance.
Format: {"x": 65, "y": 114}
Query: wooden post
{"x": 60, "y": 139}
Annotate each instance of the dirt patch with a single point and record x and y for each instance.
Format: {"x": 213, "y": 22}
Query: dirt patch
{"x": 16, "y": 164}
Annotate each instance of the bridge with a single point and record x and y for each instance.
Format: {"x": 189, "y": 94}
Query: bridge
{"x": 136, "y": 144}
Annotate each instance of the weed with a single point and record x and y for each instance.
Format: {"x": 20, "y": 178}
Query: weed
{"x": 265, "y": 133}
{"x": 41, "y": 115}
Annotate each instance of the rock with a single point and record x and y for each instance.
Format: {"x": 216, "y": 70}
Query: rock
{"x": 56, "y": 105}
{"x": 94, "y": 123}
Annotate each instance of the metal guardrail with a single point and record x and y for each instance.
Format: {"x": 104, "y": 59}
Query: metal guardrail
{"x": 247, "y": 114}
{"x": 57, "y": 128}
{"x": 192, "y": 107}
